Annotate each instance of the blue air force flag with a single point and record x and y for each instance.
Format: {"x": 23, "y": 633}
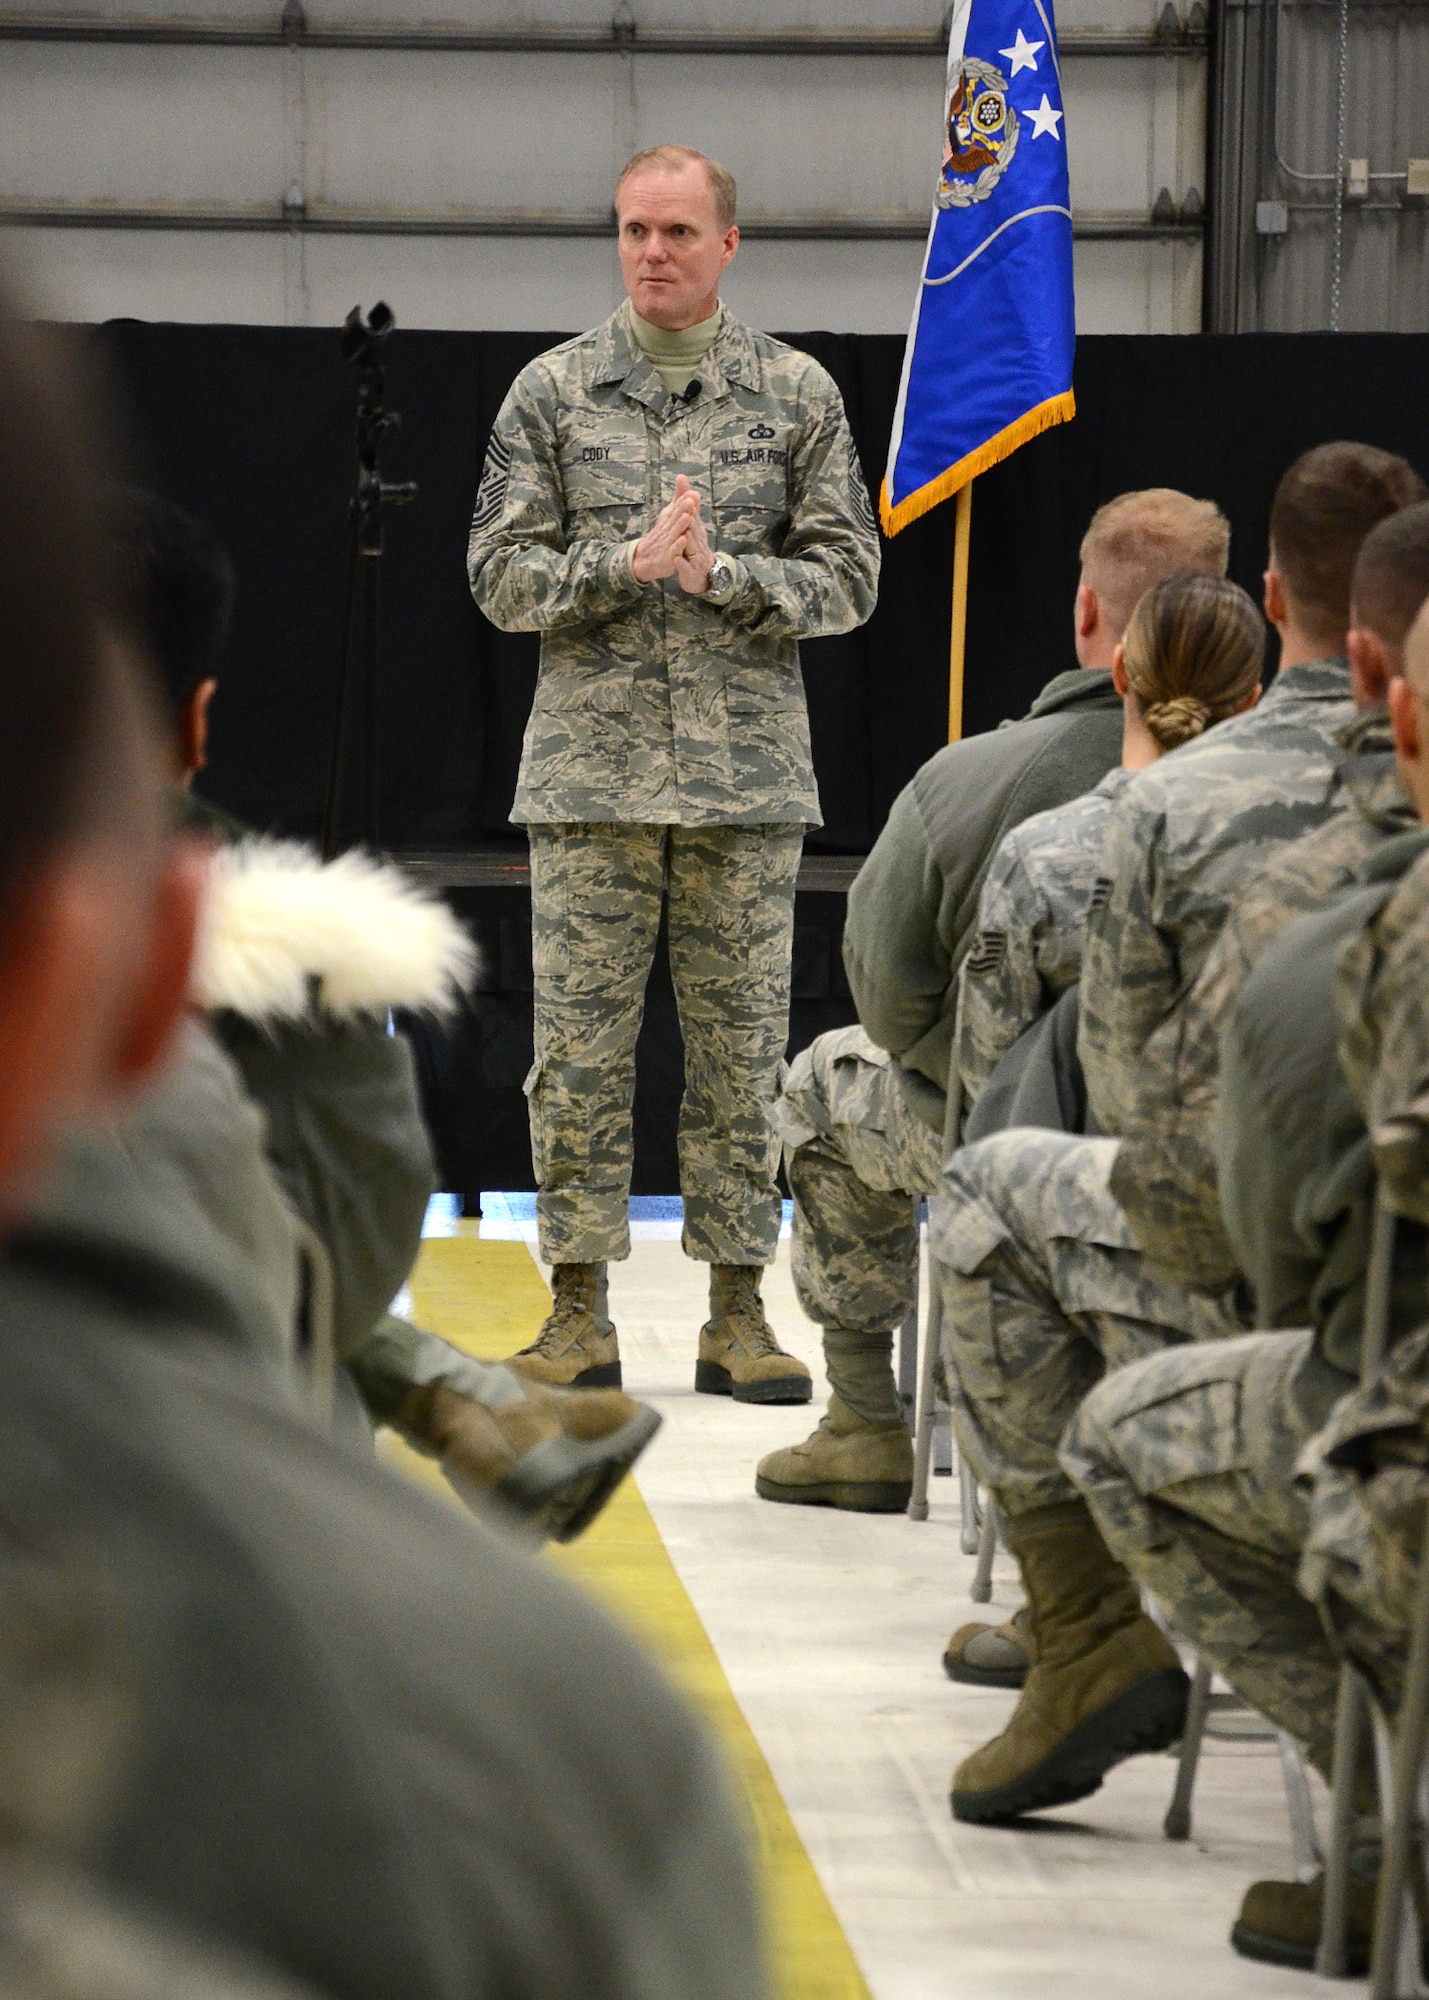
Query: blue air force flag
{"x": 989, "y": 357}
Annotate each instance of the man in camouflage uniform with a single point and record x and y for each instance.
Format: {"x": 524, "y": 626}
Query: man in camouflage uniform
{"x": 863, "y": 1113}
{"x": 1045, "y": 1287}
{"x": 1031, "y": 922}
{"x": 673, "y": 501}
{"x": 1187, "y": 1460}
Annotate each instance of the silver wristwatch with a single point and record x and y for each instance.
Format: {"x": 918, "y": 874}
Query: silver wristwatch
{"x": 721, "y": 585}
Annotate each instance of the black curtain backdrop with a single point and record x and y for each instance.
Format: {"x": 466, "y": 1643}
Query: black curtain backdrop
{"x": 252, "y": 428}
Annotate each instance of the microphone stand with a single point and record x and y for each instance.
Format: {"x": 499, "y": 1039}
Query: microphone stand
{"x": 358, "y": 675}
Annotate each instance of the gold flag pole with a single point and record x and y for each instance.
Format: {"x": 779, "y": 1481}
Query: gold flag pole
{"x": 962, "y": 534}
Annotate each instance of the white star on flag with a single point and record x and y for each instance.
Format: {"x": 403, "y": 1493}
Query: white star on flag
{"x": 1044, "y": 118}
{"x": 1022, "y": 54}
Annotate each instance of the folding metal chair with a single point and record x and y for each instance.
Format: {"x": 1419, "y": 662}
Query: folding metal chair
{"x": 1395, "y": 1973}
{"x": 927, "y": 1413}
{"x": 1236, "y": 1720}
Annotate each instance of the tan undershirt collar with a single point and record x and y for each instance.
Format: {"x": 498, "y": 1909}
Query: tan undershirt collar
{"x": 675, "y": 354}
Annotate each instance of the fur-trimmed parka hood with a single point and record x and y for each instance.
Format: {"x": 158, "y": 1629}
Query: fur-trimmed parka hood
{"x": 285, "y": 932}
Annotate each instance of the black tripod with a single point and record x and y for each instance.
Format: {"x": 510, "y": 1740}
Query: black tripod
{"x": 355, "y": 731}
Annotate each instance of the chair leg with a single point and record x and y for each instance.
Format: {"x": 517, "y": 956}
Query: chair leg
{"x": 908, "y": 1331}
{"x": 1396, "y": 1928}
{"x": 1350, "y": 1716}
{"x": 942, "y": 1440}
{"x": 970, "y": 1532}
{"x": 986, "y": 1549}
{"x": 1304, "y": 1840}
{"x": 1177, "y": 1823}
{"x": 923, "y": 1432}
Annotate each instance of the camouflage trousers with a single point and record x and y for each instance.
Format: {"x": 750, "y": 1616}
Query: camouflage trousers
{"x": 1044, "y": 1290}
{"x": 1187, "y": 1462}
{"x": 856, "y": 1151}
{"x": 596, "y": 897}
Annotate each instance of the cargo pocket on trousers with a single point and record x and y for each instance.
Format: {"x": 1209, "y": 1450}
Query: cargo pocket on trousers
{"x": 1193, "y": 1430}
{"x": 963, "y": 1233}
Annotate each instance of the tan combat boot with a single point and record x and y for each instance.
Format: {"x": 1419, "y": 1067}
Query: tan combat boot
{"x": 1105, "y": 1683}
{"x": 576, "y": 1348}
{"x": 1279, "y": 1923}
{"x": 553, "y": 1456}
{"x": 739, "y": 1355}
{"x": 992, "y": 1656}
{"x": 866, "y": 1468}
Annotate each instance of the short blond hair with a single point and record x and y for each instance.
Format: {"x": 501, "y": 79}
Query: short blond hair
{"x": 1139, "y": 539}
{"x": 720, "y": 178}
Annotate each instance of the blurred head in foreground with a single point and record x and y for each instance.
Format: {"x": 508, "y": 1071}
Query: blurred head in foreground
{"x": 97, "y": 905}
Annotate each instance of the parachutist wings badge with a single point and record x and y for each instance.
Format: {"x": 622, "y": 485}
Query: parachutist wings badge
{"x": 979, "y": 135}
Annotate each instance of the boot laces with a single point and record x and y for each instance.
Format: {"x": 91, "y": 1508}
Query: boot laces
{"x": 569, "y": 1317}
{"x": 745, "y": 1321}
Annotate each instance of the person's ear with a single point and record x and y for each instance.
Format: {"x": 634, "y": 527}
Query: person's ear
{"x": 1371, "y": 668}
{"x": 1404, "y": 720}
{"x": 731, "y": 244}
{"x": 1118, "y": 670}
{"x": 1088, "y": 611}
{"x": 1276, "y": 608}
{"x": 55, "y": 1001}
{"x": 193, "y": 729}
{"x": 160, "y": 997}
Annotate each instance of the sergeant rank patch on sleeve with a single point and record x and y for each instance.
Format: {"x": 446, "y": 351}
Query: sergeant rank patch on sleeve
{"x": 491, "y": 494}
{"x": 988, "y": 952}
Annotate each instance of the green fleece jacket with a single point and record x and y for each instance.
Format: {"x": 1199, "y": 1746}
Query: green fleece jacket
{"x": 912, "y": 910}
{"x": 1294, "y": 1171}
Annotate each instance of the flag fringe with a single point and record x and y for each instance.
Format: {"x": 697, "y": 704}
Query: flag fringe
{"x": 1041, "y": 417}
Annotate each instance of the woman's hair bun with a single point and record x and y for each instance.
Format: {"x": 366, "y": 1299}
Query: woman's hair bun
{"x": 1177, "y": 721}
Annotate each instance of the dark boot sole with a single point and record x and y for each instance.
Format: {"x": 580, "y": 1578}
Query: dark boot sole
{"x": 605, "y": 1375}
{"x": 853, "y": 1496}
{"x": 713, "y": 1379}
{"x": 1147, "y": 1716}
{"x": 560, "y": 1486}
{"x": 983, "y": 1677}
{"x": 1270, "y": 1950}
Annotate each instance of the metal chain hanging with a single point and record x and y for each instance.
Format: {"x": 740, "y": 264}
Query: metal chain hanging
{"x": 1341, "y": 115}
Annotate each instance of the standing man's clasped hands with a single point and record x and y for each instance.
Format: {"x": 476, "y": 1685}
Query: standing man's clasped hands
{"x": 677, "y": 545}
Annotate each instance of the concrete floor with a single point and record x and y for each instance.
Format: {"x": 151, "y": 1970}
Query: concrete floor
{"x": 830, "y": 1629}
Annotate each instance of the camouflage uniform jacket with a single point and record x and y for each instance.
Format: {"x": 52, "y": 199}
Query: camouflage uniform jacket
{"x": 1030, "y": 923}
{"x": 1292, "y": 1150}
{"x": 1165, "y": 1171}
{"x": 1181, "y": 843}
{"x": 912, "y": 910}
{"x": 654, "y": 705}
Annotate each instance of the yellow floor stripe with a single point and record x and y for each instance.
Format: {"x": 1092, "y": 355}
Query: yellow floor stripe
{"x": 488, "y": 1298}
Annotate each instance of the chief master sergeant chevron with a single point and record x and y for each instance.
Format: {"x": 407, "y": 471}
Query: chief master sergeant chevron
{"x": 672, "y": 501}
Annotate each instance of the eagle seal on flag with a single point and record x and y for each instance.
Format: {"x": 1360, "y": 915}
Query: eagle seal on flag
{"x": 999, "y": 258}
{"x": 979, "y": 135}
